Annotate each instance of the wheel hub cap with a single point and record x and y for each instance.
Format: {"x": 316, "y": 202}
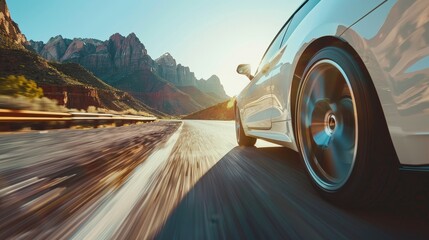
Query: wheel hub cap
{"x": 327, "y": 128}
{"x": 330, "y": 123}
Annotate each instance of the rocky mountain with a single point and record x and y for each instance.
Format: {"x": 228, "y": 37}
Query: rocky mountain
{"x": 9, "y": 30}
{"x": 123, "y": 62}
{"x": 70, "y": 84}
{"x": 182, "y": 76}
{"x": 157, "y": 93}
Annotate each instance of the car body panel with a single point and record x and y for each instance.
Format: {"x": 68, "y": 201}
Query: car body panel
{"x": 267, "y": 97}
{"x": 396, "y": 53}
{"x": 255, "y": 110}
{"x": 392, "y": 39}
{"x": 324, "y": 20}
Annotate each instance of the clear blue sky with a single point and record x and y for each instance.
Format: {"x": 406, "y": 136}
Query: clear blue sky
{"x": 211, "y": 37}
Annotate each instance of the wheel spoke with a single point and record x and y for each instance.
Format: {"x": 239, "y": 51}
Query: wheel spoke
{"x": 327, "y": 84}
{"x": 322, "y": 139}
{"x": 319, "y": 87}
{"x": 340, "y": 159}
{"x": 327, "y": 131}
{"x": 346, "y": 127}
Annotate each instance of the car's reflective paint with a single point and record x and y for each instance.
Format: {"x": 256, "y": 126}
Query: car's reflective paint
{"x": 395, "y": 51}
{"x": 392, "y": 39}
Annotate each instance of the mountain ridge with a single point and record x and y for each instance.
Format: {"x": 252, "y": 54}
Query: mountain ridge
{"x": 71, "y": 85}
{"x": 119, "y": 57}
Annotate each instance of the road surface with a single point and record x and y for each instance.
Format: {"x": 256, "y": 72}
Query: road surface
{"x": 174, "y": 180}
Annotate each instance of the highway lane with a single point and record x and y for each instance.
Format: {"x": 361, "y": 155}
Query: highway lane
{"x": 230, "y": 192}
{"x": 193, "y": 183}
{"x": 52, "y": 182}
{"x": 263, "y": 193}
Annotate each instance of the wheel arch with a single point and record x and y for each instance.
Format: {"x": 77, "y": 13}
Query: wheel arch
{"x": 307, "y": 54}
{"x": 305, "y": 57}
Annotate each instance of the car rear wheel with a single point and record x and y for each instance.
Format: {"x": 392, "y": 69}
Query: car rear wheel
{"x": 341, "y": 132}
{"x": 242, "y": 139}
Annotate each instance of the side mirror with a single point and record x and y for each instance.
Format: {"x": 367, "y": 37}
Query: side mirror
{"x": 246, "y": 70}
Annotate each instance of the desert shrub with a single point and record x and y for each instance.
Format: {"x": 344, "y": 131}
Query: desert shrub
{"x": 35, "y": 104}
{"x": 17, "y": 103}
{"x": 19, "y": 86}
{"x": 93, "y": 109}
{"x": 134, "y": 112}
{"x": 230, "y": 103}
{"x": 46, "y": 104}
{"x": 130, "y": 112}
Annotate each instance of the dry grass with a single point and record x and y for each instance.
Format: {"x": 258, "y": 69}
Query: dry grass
{"x": 35, "y": 104}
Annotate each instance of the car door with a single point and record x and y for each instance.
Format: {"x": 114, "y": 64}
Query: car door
{"x": 258, "y": 106}
{"x": 282, "y": 80}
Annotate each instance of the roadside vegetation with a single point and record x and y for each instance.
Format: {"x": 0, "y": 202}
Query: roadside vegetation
{"x": 33, "y": 104}
{"x": 20, "y": 93}
{"x": 19, "y": 86}
{"x": 92, "y": 109}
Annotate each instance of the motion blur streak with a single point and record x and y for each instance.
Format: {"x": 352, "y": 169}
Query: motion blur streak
{"x": 116, "y": 208}
{"x": 201, "y": 145}
{"x": 160, "y": 181}
{"x": 53, "y": 182}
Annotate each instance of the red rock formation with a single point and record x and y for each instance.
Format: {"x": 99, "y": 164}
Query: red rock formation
{"x": 55, "y": 48}
{"x": 123, "y": 62}
{"x": 8, "y": 27}
{"x": 79, "y": 97}
{"x": 69, "y": 84}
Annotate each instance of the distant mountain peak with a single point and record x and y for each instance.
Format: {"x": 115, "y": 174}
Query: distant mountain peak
{"x": 58, "y": 37}
{"x": 132, "y": 35}
{"x": 4, "y": 9}
{"x": 167, "y": 60}
{"x": 120, "y": 36}
{"x": 213, "y": 78}
{"x": 123, "y": 62}
{"x": 116, "y": 37}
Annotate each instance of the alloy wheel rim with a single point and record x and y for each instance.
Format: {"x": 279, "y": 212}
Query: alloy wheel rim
{"x": 327, "y": 124}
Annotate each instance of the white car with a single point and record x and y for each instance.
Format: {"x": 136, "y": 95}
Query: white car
{"x": 346, "y": 84}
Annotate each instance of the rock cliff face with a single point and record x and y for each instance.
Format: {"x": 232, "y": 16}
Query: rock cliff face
{"x": 157, "y": 93}
{"x": 123, "y": 62}
{"x": 37, "y": 46}
{"x": 212, "y": 86}
{"x": 77, "y": 96}
{"x": 69, "y": 84}
{"x": 167, "y": 69}
{"x": 55, "y": 48}
{"x": 10, "y": 35}
{"x": 107, "y": 59}
{"x": 8, "y": 28}
{"x": 183, "y": 77}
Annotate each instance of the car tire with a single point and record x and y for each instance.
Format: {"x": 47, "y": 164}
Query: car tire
{"x": 242, "y": 139}
{"x": 341, "y": 132}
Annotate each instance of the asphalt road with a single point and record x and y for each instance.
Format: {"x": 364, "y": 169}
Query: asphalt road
{"x": 170, "y": 180}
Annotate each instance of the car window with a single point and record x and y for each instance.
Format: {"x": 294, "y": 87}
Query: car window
{"x": 298, "y": 16}
{"x": 274, "y": 47}
{"x": 287, "y": 30}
